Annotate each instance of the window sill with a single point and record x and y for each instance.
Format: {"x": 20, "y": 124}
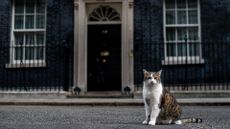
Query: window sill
{"x": 26, "y": 65}
{"x": 182, "y": 61}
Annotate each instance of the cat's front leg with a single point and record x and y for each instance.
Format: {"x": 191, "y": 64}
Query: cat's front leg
{"x": 154, "y": 114}
{"x": 147, "y": 114}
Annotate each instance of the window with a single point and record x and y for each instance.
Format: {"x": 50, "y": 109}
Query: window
{"x": 28, "y": 31}
{"x": 104, "y": 13}
{"x": 182, "y": 29}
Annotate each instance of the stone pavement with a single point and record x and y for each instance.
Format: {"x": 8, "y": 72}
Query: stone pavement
{"x": 107, "y": 101}
{"x": 104, "y": 117}
{"x": 62, "y": 98}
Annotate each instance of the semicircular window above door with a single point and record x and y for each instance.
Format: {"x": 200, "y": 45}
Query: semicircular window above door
{"x": 104, "y": 13}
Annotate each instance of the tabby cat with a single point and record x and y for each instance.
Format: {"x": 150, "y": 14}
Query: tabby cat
{"x": 160, "y": 105}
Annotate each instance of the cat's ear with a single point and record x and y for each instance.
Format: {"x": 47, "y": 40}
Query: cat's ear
{"x": 145, "y": 72}
{"x": 159, "y": 72}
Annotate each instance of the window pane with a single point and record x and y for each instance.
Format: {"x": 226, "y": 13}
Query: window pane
{"x": 192, "y": 17}
{"x": 18, "y": 22}
{"x": 40, "y": 53}
{"x": 171, "y": 49}
{"x": 181, "y": 3}
{"x": 30, "y": 39}
{"x": 181, "y": 17}
{"x": 41, "y": 6}
{"x": 40, "y": 21}
{"x": 192, "y": 3}
{"x": 29, "y": 22}
{"x": 40, "y": 38}
{"x": 19, "y": 6}
{"x": 18, "y": 38}
{"x": 170, "y": 17}
{"x": 29, "y": 53}
{"x": 193, "y": 33}
{"x": 194, "y": 49}
{"x": 18, "y": 55}
{"x": 170, "y": 4}
{"x": 182, "y": 49}
{"x": 170, "y": 34}
{"x": 30, "y": 6}
{"x": 181, "y": 34}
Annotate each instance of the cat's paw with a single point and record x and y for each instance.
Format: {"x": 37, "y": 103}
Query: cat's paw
{"x": 145, "y": 122}
{"x": 152, "y": 122}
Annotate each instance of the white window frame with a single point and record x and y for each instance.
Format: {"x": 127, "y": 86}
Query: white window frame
{"x": 174, "y": 60}
{"x": 31, "y": 62}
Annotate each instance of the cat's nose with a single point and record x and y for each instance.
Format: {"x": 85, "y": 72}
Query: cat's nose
{"x": 151, "y": 82}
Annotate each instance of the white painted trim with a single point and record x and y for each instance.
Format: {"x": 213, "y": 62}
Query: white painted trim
{"x": 12, "y": 61}
{"x": 198, "y": 25}
{"x": 182, "y": 61}
{"x": 102, "y": 23}
{"x": 80, "y": 41}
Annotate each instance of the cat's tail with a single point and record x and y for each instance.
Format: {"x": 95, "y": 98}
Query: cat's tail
{"x": 188, "y": 120}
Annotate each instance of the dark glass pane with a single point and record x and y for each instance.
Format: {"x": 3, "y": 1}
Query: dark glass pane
{"x": 29, "y": 53}
{"x": 40, "y": 21}
{"x": 41, "y": 6}
{"x": 40, "y": 38}
{"x": 40, "y": 53}
{"x": 19, "y": 6}
{"x": 18, "y": 22}
{"x": 181, "y": 17}
{"x": 194, "y": 49}
{"x": 192, "y": 17}
{"x": 181, "y": 3}
{"x": 29, "y": 22}
{"x": 170, "y": 17}
{"x": 171, "y": 49}
{"x": 170, "y": 4}
{"x": 181, "y": 34}
{"x": 18, "y": 38}
{"x": 192, "y": 3}
{"x": 170, "y": 34}
{"x": 30, "y": 4}
{"x": 30, "y": 39}
{"x": 182, "y": 49}
{"x": 18, "y": 53}
{"x": 193, "y": 33}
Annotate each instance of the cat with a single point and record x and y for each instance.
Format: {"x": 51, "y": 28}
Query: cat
{"x": 161, "y": 107}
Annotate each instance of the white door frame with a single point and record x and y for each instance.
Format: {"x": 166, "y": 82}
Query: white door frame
{"x": 80, "y": 42}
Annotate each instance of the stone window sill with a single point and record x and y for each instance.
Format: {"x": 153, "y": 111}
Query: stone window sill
{"x": 182, "y": 61}
{"x": 26, "y": 65}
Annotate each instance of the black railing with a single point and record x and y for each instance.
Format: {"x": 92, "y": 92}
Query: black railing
{"x": 207, "y": 70}
{"x": 204, "y": 68}
{"x": 39, "y": 68}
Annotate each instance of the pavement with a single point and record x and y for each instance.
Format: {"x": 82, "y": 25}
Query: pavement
{"x": 63, "y": 99}
{"x": 107, "y": 101}
{"x": 104, "y": 117}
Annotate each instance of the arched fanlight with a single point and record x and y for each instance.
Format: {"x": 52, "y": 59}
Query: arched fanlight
{"x": 104, "y": 13}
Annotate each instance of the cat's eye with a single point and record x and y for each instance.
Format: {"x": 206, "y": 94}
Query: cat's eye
{"x": 149, "y": 78}
{"x": 155, "y": 78}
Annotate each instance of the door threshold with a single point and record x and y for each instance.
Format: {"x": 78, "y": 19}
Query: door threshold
{"x": 102, "y": 94}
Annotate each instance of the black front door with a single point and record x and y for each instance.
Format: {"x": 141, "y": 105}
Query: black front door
{"x": 104, "y": 57}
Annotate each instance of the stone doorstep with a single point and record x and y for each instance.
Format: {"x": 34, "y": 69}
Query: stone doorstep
{"x": 102, "y": 94}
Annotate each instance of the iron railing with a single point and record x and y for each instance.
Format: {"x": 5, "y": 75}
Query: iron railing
{"x": 52, "y": 72}
{"x": 208, "y": 70}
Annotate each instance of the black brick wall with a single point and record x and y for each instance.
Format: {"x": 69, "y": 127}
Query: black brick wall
{"x": 148, "y": 48}
{"x": 215, "y": 34}
{"x": 59, "y": 38}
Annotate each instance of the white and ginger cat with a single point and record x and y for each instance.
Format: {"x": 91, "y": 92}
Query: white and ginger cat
{"x": 160, "y": 105}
